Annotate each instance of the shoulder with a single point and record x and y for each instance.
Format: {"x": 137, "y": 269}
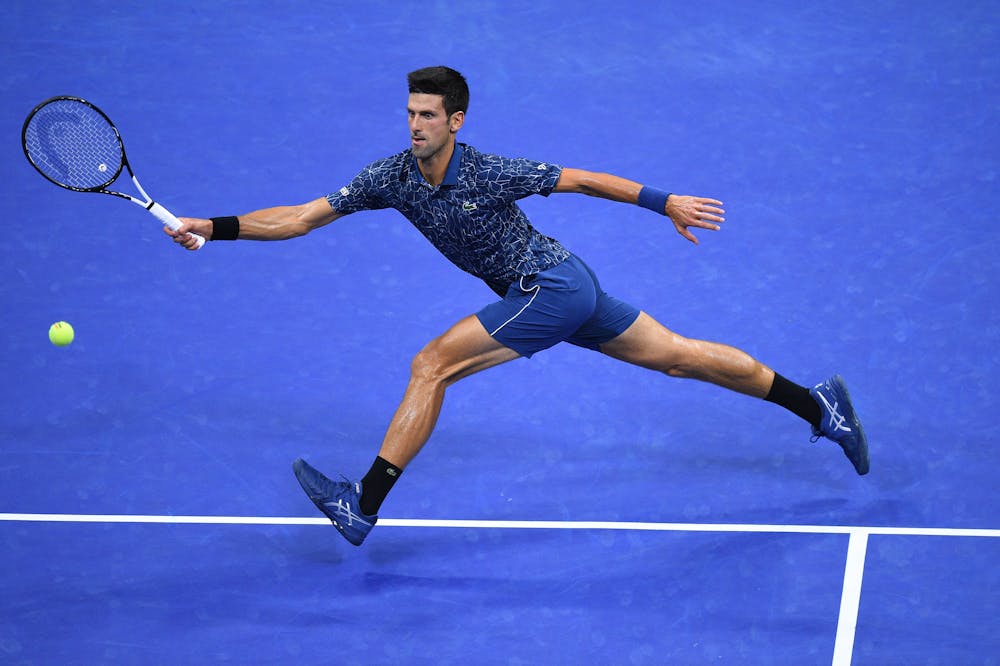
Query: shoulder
{"x": 392, "y": 163}
{"x": 384, "y": 172}
{"x": 472, "y": 156}
{"x": 515, "y": 177}
{"x": 489, "y": 163}
{"x": 489, "y": 158}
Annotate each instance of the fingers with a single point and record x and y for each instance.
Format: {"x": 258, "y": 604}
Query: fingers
{"x": 706, "y": 224}
{"x": 690, "y": 210}
{"x": 192, "y": 232}
{"x": 683, "y": 230}
{"x": 712, "y": 213}
{"x": 703, "y": 221}
{"x": 710, "y": 209}
{"x": 182, "y": 237}
{"x": 698, "y": 212}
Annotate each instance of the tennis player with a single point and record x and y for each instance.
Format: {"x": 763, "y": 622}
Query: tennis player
{"x": 464, "y": 202}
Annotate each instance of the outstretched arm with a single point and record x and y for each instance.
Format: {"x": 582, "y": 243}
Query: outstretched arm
{"x": 279, "y": 223}
{"x": 683, "y": 211}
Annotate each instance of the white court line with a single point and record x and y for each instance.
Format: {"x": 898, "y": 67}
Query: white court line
{"x": 850, "y": 599}
{"x": 507, "y": 524}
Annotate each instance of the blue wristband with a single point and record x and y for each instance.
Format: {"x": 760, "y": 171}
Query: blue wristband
{"x": 653, "y": 199}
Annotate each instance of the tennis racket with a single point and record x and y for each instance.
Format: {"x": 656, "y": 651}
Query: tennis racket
{"x": 75, "y": 145}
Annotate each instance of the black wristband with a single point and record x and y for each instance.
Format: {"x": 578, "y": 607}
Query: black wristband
{"x": 225, "y": 228}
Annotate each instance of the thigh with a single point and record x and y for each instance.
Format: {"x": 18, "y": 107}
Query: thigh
{"x": 462, "y": 350}
{"x": 647, "y": 343}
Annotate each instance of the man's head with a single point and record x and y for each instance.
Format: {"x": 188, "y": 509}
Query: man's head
{"x": 438, "y": 99}
{"x": 442, "y": 81}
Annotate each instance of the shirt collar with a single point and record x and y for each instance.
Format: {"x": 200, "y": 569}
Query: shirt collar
{"x": 451, "y": 173}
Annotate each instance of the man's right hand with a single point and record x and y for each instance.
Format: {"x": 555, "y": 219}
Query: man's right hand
{"x": 189, "y": 226}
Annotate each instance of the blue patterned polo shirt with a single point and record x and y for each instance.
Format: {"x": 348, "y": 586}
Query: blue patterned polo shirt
{"x": 472, "y": 218}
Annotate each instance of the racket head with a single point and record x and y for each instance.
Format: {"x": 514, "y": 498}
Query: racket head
{"x": 73, "y": 144}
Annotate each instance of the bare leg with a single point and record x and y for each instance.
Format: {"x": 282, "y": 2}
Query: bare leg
{"x": 649, "y": 344}
{"x": 465, "y": 349}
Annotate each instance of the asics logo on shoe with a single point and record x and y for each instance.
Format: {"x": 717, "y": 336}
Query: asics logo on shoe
{"x": 837, "y": 421}
{"x": 344, "y": 509}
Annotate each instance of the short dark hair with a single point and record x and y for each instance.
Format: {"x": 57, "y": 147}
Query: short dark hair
{"x": 442, "y": 81}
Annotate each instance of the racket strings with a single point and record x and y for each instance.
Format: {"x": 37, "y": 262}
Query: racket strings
{"x": 74, "y": 145}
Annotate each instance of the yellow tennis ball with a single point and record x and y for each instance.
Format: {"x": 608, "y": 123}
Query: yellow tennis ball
{"x": 61, "y": 334}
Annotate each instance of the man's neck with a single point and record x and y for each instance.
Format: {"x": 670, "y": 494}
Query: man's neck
{"x": 434, "y": 168}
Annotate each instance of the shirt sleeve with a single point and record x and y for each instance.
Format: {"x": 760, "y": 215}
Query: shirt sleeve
{"x": 367, "y": 191}
{"x": 519, "y": 177}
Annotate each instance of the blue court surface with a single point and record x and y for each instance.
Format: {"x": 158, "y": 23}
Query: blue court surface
{"x": 569, "y": 509}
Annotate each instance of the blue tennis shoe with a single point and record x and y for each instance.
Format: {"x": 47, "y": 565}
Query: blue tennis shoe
{"x": 338, "y": 500}
{"x": 840, "y": 422}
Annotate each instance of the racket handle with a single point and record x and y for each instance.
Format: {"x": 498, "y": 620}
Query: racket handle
{"x": 165, "y": 216}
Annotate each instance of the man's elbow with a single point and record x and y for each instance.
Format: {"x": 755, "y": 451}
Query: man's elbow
{"x": 575, "y": 180}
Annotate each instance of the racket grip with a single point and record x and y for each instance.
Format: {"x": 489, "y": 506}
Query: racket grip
{"x": 165, "y": 216}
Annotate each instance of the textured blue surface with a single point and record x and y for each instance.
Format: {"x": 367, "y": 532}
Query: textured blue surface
{"x": 273, "y": 595}
{"x": 855, "y": 148}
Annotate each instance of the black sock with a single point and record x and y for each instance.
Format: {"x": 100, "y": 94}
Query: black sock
{"x": 377, "y": 484}
{"x": 795, "y": 399}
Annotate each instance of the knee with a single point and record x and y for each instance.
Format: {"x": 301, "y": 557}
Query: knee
{"x": 680, "y": 368}
{"x": 677, "y": 370}
{"x": 697, "y": 359}
{"x": 681, "y": 359}
{"x": 427, "y": 366}
{"x": 674, "y": 356}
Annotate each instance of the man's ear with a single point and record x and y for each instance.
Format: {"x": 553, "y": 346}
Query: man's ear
{"x": 456, "y": 121}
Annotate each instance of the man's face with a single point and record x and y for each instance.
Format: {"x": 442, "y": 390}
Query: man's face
{"x": 430, "y": 126}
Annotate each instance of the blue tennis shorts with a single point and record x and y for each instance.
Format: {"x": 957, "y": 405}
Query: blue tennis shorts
{"x": 564, "y": 303}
